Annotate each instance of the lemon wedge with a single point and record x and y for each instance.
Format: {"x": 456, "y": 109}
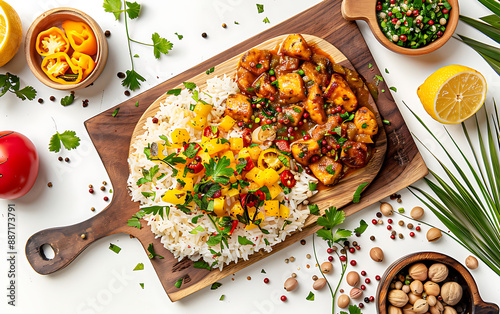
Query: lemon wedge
{"x": 11, "y": 32}
{"x": 453, "y": 93}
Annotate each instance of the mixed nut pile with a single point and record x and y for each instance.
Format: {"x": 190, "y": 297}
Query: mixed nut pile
{"x": 425, "y": 289}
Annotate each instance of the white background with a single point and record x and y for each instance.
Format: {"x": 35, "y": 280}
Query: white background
{"x": 100, "y": 281}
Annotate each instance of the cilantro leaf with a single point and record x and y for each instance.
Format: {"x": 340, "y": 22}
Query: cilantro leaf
{"x": 244, "y": 241}
{"x": 155, "y": 210}
{"x": 330, "y": 170}
{"x": 11, "y": 83}
{"x": 176, "y": 92}
{"x": 201, "y": 264}
{"x": 27, "y": 92}
{"x": 314, "y": 209}
{"x": 362, "y": 227}
{"x": 115, "y": 112}
{"x": 142, "y": 285}
{"x": 222, "y": 297}
{"x": 133, "y": 9}
{"x": 312, "y": 186}
{"x": 134, "y": 222}
{"x": 139, "y": 266}
{"x": 132, "y": 79}
{"x": 160, "y": 45}
{"x": 354, "y": 309}
{"x": 326, "y": 234}
{"x": 189, "y": 85}
{"x": 394, "y": 89}
{"x": 266, "y": 21}
{"x": 191, "y": 150}
{"x": 310, "y": 296}
{"x": 220, "y": 171}
{"x": 211, "y": 70}
{"x": 152, "y": 253}
{"x": 214, "y": 239}
{"x": 113, "y": 6}
{"x": 115, "y": 248}
{"x": 179, "y": 36}
{"x": 178, "y": 283}
{"x": 67, "y": 100}
{"x": 341, "y": 234}
{"x": 68, "y": 139}
{"x": 215, "y": 285}
{"x": 357, "y": 194}
{"x": 197, "y": 229}
{"x": 195, "y": 219}
{"x": 260, "y": 8}
{"x": 332, "y": 218}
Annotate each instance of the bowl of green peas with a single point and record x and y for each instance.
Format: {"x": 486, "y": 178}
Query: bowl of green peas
{"x": 411, "y": 27}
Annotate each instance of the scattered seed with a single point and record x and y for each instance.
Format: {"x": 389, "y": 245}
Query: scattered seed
{"x": 399, "y": 200}
{"x": 66, "y": 159}
{"x": 52, "y": 98}
{"x": 249, "y": 278}
{"x": 90, "y": 186}
{"x": 104, "y": 182}
{"x": 292, "y": 259}
{"x": 204, "y": 35}
{"x": 49, "y": 184}
{"x": 343, "y": 251}
{"x": 401, "y": 223}
{"x": 40, "y": 100}
{"x": 120, "y": 75}
{"x": 380, "y": 221}
{"x": 60, "y": 158}
{"x": 393, "y": 196}
{"x": 303, "y": 242}
{"x": 107, "y": 33}
{"x": 224, "y": 25}
{"x": 379, "y": 215}
{"x": 357, "y": 234}
{"x": 294, "y": 275}
{"x": 92, "y": 209}
{"x": 341, "y": 290}
{"x": 372, "y": 238}
{"x": 286, "y": 260}
{"x": 401, "y": 236}
{"x": 314, "y": 277}
{"x": 308, "y": 256}
{"x": 83, "y": 236}
{"x": 410, "y": 226}
{"x": 393, "y": 233}
{"x": 354, "y": 243}
{"x": 103, "y": 188}
{"x": 127, "y": 93}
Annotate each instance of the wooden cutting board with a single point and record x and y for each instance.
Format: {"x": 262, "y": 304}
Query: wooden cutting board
{"x": 402, "y": 166}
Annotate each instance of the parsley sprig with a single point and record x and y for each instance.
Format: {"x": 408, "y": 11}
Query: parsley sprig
{"x": 67, "y": 138}
{"x": 10, "y": 83}
{"x": 160, "y": 45}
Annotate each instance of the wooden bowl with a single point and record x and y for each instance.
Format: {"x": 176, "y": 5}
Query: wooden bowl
{"x": 366, "y": 10}
{"x": 55, "y": 17}
{"x": 474, "y": 303}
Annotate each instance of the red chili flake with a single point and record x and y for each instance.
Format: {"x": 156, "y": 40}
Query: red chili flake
{"x": 358, "y": 247}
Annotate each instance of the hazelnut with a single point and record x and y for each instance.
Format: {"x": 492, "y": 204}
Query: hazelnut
{"x": 418, "y": 271}
{"x": 326, "y": 267}
{"x": 406, "y": 289}
{"x": 433, "y": 234}
{"x": 352, "y": 279}
{"x": 471, "y": 262}
{"x": 438, "y": 272}
{"x": 377, "y": 254}
{"x": 291, "y": 284}
{"x": 417, "y": 212}
{"x": 416, "y": 287}
{"x": 420, "y": 306}
{"x": 319, "y": 284}
{"x": 343, "y": 301}
{"x": 386, "y": 209}
{"x": 432, "y": 288}
{"x": 357, "y": 293}
{"x": 451, "y": 292}
{"x": 398, "y": 285}
{"x": 449, "y": 310}
{"x": 396, "y": 297}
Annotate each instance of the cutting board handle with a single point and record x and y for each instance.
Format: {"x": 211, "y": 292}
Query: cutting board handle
{"x": 68, "y": 242}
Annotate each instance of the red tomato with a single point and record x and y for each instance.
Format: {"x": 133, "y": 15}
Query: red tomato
{"x": 249, "y": 165}
{"x": 288, "y": 179}
{"x": 18, "y": 165}
{"x": 208, "y": 132}
{"x": 283, "y": 145}
{"x": 247, "y": 137}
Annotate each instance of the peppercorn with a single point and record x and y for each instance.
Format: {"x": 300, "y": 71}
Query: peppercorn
{"x": 106, "y": 198}
{"x": 127, "y": 93}
{"x": 393, "y": 233}
{"x": 103, "y": 188}
{"x": 107, "y": 33}
{"x": 266, "y": 280}
{"x": 303, "y": 242}
{"x": 367, "y": 300}
{"x": 155, "y": 120}
{"x": 83, "y": 236}
{"x": 308, "y": 256}
{"x": 286, "y": 260}
{"x": 90, "y": 186}
{"x": 342, "y": 251}
{"x": 85, "y": 103}
{"x": 92, "y": 209}
{"x": 401, "y": 236}
{"x": 292, "y": 259}
{"x": 401, "y": 223}
{"x": 204, "y": 35}
{"x": 410, "y": 226}
{"x": 66, "y": 159}
{"x": 372, "y": 238}
{"x": 249, "y": 278}
{"x": 60, "y": 158}
{"x": 49, "y": 184}
{"x": 294, "y": 275}
{"x": 40, "y": 100}
{"x": 104, "y": 182}
{"x": 120, "y": 75}
{"x": 379, "y": 215}
{"x": 52, "y": 98}
{"x": 354, "y": 243}
{"x": 91, "y": 191}
{"x": 224, "y": 25}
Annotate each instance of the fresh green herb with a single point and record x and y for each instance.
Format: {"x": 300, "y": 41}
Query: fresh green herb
{"x": 195, "y": 219}
{"x": 178, "y": 283}
{"x": 137, "y": 103}
{"x": 284, "y": 160}
{"x": 134, "y": 221}
{"x": 115, "y": 112}
{"x": 318, "y": 68}
{"x": 379, "y": 78}
{"x": 222, "y": 297}
{"x": 175, "y": 92}
{"x": 67, "y": 100}
{"x": 369, "y": 65}
{"x": 383, "y": 91}
{"x": 258, "y": 66}
{"x": 310, "y": 296}
{"x": 142, "y": 285}
{"x": 152, "y": 253}
{"x": 312, "y": 186}
{"x": 191, "y": 150}
{"x": 68, "y": 139}
{"x": 189, "y": 85}
{"x": 364, "y": 125}
{"x": 155, "y": 210}
{"x": 386, "y": 122}
{"x": 260, "y": 8}
{"x": 148, "y": 175}
{"x": 201, "y": 264}
{"x": 160, "y": 45}
{"x": 197, "y": 229}
{"x": 236, "y": 23}
{"x": 401, "y": 210}
{"x": 211, "y": 70}
{"x": 362, "y": 227}
{"x": 357, "y": 194}
{"x": 262, "y": 271}
{"x": 215, "y": 285}
{"x": 149, "y": 194}
{"x": 287, "y": 190}
{"x": 11, "y": 83}
{"x": 244, "y": 241}
{"x": 179, "y": 36}
{"x": 139, "y": 266}
{"x": 219, "y": 171}
{"x": 115, "y": 248}
{"x": 330, "y": 169}
{"x": 386, "y": 71}
{"x": 266, "y": 21}
{"x": 394, "y": 89}
{"x": 314, "y": 209}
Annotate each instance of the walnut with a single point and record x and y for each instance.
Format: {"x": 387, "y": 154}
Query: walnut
{"x": 451, "y": 292}
{"x": 418, "y": 271}
{"x": 438, "y": 272}
{"x": 397, "y": 298}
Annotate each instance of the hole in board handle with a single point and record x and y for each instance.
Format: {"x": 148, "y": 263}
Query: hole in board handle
{"x": 47, "y": 252}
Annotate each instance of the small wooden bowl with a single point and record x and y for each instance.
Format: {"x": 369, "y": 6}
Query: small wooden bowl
{"x": 56, "y": 17}
{"x": 366, "y": 10}
{"x": 475, "y": 305}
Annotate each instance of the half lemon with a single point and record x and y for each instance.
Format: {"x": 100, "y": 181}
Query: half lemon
{"x": 453, "y": 93}
{"x": 11, "y": 32}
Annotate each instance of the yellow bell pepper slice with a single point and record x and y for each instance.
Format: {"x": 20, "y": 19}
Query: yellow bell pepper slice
{"x": 236, "y": 143}
{"x": 258, "y": 216}
{"x": 202, "y": 109}
{"x": 284, "y": 211}
{"x": 232, "y": 192}
{"x": 199, "y": 122}
{"x": 271, "y": 158}
{"x": 51, "y": 41}
{"x": 272, "y": 208}
{"x": 237, "y": 209}
{"x": 83, "y": 61}
{"x": 179, "y": 138}
{"x": 267, "y": 177}
{"x": 188, "y": 184}
{"x": 174, "y": 197}
{"x": 253, "y": 173}
{"x": 227, "y": 123}
{"x": 275, "y": 190}
{"x": 215, "y": 146}
{"x": 229, "y": 155}
{"x": 81, "y": 37}
{"x": 56, "y": 66}
{"x": 255, "y": 153}
{"x": 219, "y": 206}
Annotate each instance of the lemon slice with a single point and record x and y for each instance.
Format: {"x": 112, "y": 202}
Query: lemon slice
{"x": 453, "y": 93}
{"x": 10, "y": 32}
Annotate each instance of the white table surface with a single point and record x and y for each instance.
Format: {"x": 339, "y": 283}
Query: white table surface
{"x": 100, "y": 281}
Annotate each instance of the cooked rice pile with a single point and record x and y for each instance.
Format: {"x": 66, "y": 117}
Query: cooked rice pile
{"x": 175, "y": 230}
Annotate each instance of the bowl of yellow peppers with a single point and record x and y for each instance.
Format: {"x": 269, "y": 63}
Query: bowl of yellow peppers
{"x": 66, "y": 49}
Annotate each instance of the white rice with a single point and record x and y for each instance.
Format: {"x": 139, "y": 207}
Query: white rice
{"x": 174, "y": 230}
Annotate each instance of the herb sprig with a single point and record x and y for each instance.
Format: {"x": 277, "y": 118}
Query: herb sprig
{"x": 67, "y": 138}
{"x": 10, "y": 83}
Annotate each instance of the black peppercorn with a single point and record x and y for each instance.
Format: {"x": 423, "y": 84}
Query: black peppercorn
{"x": 127, "y": 93}
{"x": 107, "y": 33}
{"x": 372, "y": 238}
{"x": 204, "y": 35}
{"x": 120, "y": 75}
{"x": 367, "y": 300}
{"x": 60, "y": 158}
{"x": 303, "y": 242}
{"x": 40, "y": 100}
{"x": 66, "y": 159}
{"x": 52, "y": 98}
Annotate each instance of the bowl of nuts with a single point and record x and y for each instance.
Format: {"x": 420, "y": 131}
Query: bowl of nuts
{"x": 430, "y": 282}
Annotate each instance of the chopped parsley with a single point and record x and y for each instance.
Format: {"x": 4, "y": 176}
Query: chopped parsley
{"x": 260, "y": 8}
{"x": 178, "y": 283}
{"x": 330, "y": 170}
{"x": 312, "y": 186}
{"x": 215, "y": 285}
{"x": 152, "y": 253}
{"x": 266, "y": 21}
{"x": 244, "y": 241}
{"x": 201, "y": 264}
{"x": 357, "y": 195}
{"x": 139, "y": 266}
{"x": 310, "y": 296}
{"x": 115, "y": 112}
{"x": 68, "y": 100}
{"x": 394, "y": 89}
{"x": 115, "y": 248}
{"x": 219, "y": 171}
{"x": 209, "y": 71}
{"x": 314, "y": 209}
{"x": 175, "y": 92}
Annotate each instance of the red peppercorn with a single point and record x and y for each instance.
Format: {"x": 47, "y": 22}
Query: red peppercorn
{"x": 91, "y": 191}
{"x": 266, "y": 280}
{"x": 306, "y": 137}
{"x": 363, "y": 273}
{"x": 415, "y": 12}
{"x": 280, "y": 120}
{"x": 338, "y": 109}
{"x": 390, "y": 13}
{"x": 363, "y": 287}
{"x": 324, "y": 150}
{"x": 418, "y": 21}
{"x": 330, "y": 258}
{"x": 389, "y": 220}
{"x": 393, "y": 1}
{"x": 403, "y": 38}
{"x": 417, "y": 228}
{"x": 389, "y": 227}
{"x": 379, "y": 7}
{"x": 351, "y": 250}
{"x": 374, "y": 221}
{"x": 361, "y": 305}
{"x": 273, "y": 78}
{"x": 358, "y": 247}
{"x": 372, "y": 299}
{"x": 329, "y": 147}
{"x": 329, "y": 250}
{"x": 106, "y": 198}
{"x": 342, "y": 258}
{"x": 353, "y": 263}
{"x": 377, "y": 277}
{"x": 240, "y": 123}
{"x": 367, "y": 280}
{"x": 155, "y": 120}
{"x": 431, "y": 22}
{"x": 283, "y": 298}
{"x": 393, "y": 236}
{"x": 412, "y": 234}
{"x": 301, "y": 123}
{"x": 342, "y": 111}
{"x": 394, "y": 20}
{"x": 445, "y": 11}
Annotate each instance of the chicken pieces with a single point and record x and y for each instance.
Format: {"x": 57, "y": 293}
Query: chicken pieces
{"x": 327, "y": 170}
{"x": 256, "y": 61}
{"x": 239, "y": 107}
{"x": 303, "y": 150}
{"x": 314, "y": 104}
{"x": 365, "y": 121}
{"x": 340, "y": 94}
{"x": 296, "y": 46}
{"x": 291, "y": 88}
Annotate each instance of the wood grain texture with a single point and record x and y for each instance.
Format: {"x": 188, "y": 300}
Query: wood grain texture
{"x": 365, "y": 10}
{"x": 403, "y": 163}
{"x": 475, "y": 304}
